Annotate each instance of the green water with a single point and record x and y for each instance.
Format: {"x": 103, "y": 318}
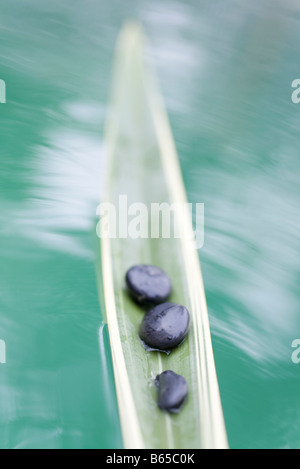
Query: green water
{"x": 226, "y": 69}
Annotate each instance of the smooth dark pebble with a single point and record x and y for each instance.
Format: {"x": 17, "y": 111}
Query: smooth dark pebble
{"x": 148, "y": 284}
{"x": 165, "y": 326}
{"x": 172, "y": 391}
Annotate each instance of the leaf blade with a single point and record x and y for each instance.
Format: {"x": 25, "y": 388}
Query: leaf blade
{"x": 144, "y": 166}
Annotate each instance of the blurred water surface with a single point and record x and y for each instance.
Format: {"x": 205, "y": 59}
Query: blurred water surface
{"x": 226, "y": 70}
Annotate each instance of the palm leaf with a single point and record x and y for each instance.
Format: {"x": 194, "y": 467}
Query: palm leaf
{"x": 143, "y": 165}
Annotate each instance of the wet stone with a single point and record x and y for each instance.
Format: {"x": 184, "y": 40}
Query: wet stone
{"x": 165, "y": 326}
{"x": 148, "y": 284}
{"x": 172, "y": 391}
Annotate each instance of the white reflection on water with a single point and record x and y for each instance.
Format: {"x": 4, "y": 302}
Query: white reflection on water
{"x": 252, "y": 254}
{"x": 65, "y": 190}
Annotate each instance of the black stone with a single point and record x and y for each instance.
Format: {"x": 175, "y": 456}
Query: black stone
{"x": 148, "y": 284}
{"x": 172, "y": 391}
{"x": 165, "y": 326}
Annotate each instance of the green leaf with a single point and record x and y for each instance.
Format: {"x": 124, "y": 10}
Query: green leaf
{"x": 143, "y": 165}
